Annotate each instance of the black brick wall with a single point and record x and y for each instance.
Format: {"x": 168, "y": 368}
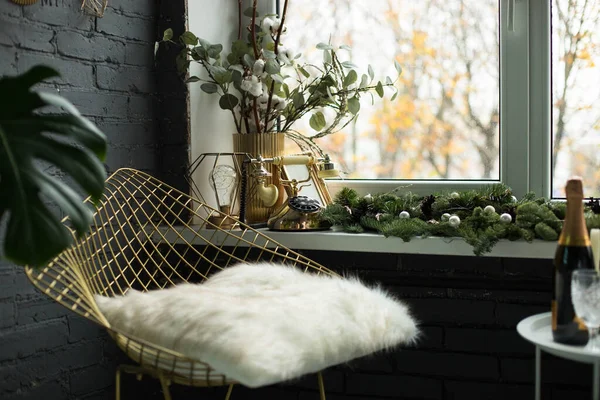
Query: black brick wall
{"x": 110, "y": 72}
{"x": 468, "y": 306}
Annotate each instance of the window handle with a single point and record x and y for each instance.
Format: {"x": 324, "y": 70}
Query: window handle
{"x": 511, "y": 15}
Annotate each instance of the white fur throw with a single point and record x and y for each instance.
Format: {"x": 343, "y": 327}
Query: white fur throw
{"x": 265, "y": 323}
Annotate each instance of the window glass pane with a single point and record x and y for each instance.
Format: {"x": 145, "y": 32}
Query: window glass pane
{"x": 576, "y": 94}
{"x": 444, "y": 124}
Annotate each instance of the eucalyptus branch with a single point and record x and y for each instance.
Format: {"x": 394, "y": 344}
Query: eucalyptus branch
{"x": 248, "y": 67}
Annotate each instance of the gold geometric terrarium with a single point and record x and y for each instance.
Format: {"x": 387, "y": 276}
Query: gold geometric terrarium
{"x": 216, "y": 179}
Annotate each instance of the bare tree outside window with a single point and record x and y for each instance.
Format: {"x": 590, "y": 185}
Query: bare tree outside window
{"x": 576, "y": 94}
{"x": 444, "y": 123}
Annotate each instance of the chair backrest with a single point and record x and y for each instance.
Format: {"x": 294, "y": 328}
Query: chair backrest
{"x": 142, "y": 238}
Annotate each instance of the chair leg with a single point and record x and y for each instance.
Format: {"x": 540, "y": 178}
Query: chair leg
{"x": 321, "y": 386}
{"x": 229, "y": 390}
{"x": 164, "y": 383}
{"x": 118, "y": 384}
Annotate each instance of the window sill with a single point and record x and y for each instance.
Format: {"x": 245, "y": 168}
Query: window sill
{"x": 374, "y": 243}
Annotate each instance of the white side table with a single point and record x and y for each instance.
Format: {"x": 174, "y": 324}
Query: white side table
{"x": 537, "y": 330}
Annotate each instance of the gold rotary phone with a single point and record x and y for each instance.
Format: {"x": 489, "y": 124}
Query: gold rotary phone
{"x": 298, "y": 212}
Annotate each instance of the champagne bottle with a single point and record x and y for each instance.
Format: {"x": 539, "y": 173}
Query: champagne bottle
{"x": 574, "y": 251}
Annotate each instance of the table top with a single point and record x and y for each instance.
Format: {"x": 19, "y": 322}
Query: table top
{"x": 537, "y": 329}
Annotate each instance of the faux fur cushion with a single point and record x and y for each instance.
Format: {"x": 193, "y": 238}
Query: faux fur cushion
{"x": 264, "y": 323}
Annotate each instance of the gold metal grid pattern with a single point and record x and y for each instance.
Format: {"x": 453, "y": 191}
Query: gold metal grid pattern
{"x": 140, "y": 238}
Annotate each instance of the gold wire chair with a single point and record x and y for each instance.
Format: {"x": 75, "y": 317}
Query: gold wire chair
{"x": 141, "y": 238}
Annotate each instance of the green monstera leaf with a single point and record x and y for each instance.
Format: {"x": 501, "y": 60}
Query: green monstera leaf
{"x": 28, "y": 140}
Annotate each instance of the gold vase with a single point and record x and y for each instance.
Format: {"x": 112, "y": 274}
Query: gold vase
{"x": 266, "y": 145}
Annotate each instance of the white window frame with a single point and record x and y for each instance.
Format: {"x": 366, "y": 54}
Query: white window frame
{"x": 525, "y": 90}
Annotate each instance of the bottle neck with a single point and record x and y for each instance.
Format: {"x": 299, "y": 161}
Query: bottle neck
{"x": 574, "y": 232}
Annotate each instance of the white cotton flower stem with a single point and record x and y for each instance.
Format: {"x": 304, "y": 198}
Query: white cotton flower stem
{"x": 240, "y": 12}
{"x": 276, "y": 51}
{"x": 253, "y": 29}
{"x": 256, "y": 55}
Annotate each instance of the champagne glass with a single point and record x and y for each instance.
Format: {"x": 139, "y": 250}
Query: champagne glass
{"x": 585, "y": 293}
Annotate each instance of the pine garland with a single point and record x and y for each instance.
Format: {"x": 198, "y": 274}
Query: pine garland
{"x": 530, "y": 217}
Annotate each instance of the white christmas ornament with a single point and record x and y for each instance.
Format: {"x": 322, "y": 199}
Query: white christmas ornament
{"x": 368, "y": 197}
{"x": 445, "y": 216}
{"x": 506, "y": 218}
{"x": 514, "y": 199}
{"x": 454, "y": 195}
{"x": 404, "y": 214}
{"x": 454, "y": 221}
{"x": 489, "y": 209}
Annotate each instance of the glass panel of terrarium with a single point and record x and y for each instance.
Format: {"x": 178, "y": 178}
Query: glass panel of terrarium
{"x": 444, "y": 123}
{"x": 575, "y": 94}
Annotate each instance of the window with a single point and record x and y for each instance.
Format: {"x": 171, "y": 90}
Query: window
{"x": 484, "y": 97}
{"x": 519, "y": 53}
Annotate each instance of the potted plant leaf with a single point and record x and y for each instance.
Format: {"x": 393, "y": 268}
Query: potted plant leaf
{"x": 31, "y": 137}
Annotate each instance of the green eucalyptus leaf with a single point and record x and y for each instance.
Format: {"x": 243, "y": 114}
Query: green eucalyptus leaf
{"x": 350, "y": 78}
{"x": 272, "y": 67}
{"x": 304, "y": 72}
{"x": 324, "y": 46}
{"x": 364, "y": 81}
{"x": 317, "y": 121}
{"x": 248, "y": 12}
{"x": 327, "y": 57}
{"x": 248, "y": 60}
{"x": 167, "y": 35}
{"x": 220, "y": 74}
{"x": 345, "y": 47}
{"x": 228, "y": 101}
{"x": 269, "y": 55}
{"x": 182, "y": 62}
{"x": 214, "y": 50}
{"x": 232, "y": 58}
{"x": 188, "y": 38}
{"x": 298, "y": 99}
{"x": 201, "y": 52}
{"x": 236, "y": 77}
{"x": 349, "y": 64}
{"x": 370, "y": 71}
{"x": 204, "y": 43}
{"x": 353, "y": 105}
{"x": 239, "y": 48}
{"x": 34, "y": 234}
{"x": 192, "y": 79}
{"x": 236, "y": 67}
{"x": 394, "y": 96}
{"x": 209, "y": 87}
{"x": 398, "y": 67}
{"x": 379, "y": 89}
{"x": 388, "y": 81}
